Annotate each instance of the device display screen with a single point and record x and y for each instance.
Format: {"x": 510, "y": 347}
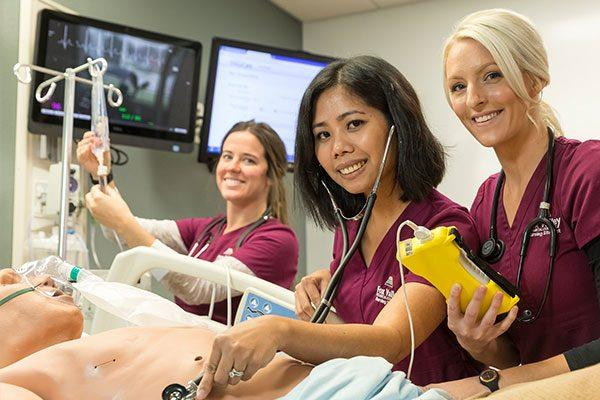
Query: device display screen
{"x": 158, "y": 75}
{"x": 256, "y": 82}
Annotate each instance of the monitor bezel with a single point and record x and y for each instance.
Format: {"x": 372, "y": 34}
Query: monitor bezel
{"x": 208, "y": 157}
{"x": 120, "y": 134}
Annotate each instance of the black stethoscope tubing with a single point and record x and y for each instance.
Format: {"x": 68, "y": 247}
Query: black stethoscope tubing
{"x": 493, "y": 248}
{"x": 207, "y": 237}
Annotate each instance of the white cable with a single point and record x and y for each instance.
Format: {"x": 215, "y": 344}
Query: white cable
{"x": 93, "y": 246}
{"x": 228, "y": 296}
{"x": 118, "y": 239}
{"x": 213, "y": 296}
{"x": 410, "y": 322}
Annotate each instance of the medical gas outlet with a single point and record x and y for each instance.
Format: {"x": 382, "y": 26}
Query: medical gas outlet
{"x": 443, "y": 259}
{"x": 53, "y": 198}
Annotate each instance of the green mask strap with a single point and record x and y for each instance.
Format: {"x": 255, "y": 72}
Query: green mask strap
{"x": 16, "y": 294}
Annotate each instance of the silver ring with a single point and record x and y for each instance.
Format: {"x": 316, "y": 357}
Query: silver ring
{"x": 235, "y": 373}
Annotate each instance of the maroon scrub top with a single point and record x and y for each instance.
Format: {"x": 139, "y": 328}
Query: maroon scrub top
{"x": 364, "y": 291}
{"x": 571, "y": 315}
{"x": 270, "y": 251}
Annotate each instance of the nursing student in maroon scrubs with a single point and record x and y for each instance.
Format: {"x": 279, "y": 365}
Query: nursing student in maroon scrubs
{"x": 249, "y": 176}
{"x": 495, "y": 69}
{"x": 346, "y": 116}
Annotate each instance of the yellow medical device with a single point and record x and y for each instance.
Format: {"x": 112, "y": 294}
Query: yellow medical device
{"x": 443, "y": 259}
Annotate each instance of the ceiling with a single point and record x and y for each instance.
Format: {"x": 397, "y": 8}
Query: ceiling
{"x": 313, "y": 10}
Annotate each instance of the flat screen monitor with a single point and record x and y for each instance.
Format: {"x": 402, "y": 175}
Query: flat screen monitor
{"x": 157, "y": 74}
{"x": 250, "y": 81}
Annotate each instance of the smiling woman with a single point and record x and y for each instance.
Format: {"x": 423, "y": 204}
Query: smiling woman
{"x": 350, "y": 112}
{"x": 496, "y": 67}
{"x": 249, "y": 176}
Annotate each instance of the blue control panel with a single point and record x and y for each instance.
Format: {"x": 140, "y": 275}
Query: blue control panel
{"x": 254, "y": 306}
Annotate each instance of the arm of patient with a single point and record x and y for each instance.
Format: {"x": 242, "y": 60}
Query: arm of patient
{"x": 11, "y": 392}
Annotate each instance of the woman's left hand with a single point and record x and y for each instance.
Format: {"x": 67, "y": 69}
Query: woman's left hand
{"x": 109, "y": 208}
{"x": 245, "y": 348}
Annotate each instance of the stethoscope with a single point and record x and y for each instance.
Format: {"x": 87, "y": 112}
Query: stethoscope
{"x": 364, "y": 214}
{"x": 493, "y": 248}
{"x": 207, "y": 237}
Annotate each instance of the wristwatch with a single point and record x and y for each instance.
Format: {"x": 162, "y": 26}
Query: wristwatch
{"x": 490, "y": 378}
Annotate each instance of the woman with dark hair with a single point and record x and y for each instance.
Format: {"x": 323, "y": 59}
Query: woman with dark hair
{"x": 249, "y": 176}
{"x": 346, "y": 116}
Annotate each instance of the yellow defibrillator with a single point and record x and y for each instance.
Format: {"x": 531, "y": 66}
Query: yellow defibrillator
{"x": 443, "y": 259}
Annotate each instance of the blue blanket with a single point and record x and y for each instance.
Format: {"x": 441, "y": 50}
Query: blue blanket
{"x": 360, "y": 378}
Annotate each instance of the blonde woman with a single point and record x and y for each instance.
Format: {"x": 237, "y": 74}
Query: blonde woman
{"x": 538, "y": 219}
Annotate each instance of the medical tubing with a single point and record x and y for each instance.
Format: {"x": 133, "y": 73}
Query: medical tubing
{"x": 211, "y": 307}
{"x": 103, "y": 185}
{"x": 321, "y": 313}
{"x": 494, "y": 209}
{"x": 524, "y": 246}
{"x": 53, "y": 266}
{"x": 415, "y": 229}
{"x": 343, "y": 229}
{"x": 228, "y": 296}
{"x": 93, "y": 246}
{"x": 545, "y": 205}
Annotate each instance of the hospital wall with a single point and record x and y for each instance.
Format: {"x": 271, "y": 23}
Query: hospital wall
{"x": 156, "y": 184}
{"x": 411, "y": 37}
{"x": 9, "y": 17}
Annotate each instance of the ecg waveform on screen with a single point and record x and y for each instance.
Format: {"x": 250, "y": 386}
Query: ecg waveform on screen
{"x": 121, "y": 48}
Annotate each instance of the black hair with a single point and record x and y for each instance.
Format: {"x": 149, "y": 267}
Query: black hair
{"x": 420, "y": 157}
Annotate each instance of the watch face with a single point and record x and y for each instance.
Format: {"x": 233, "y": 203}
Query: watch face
{"x": 489, "y": 375}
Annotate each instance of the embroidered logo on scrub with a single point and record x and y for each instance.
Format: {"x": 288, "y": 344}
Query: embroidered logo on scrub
{"x": 542, "y": 230}
{"x": 390, "y": 282}
{"x": 385, "y": 293}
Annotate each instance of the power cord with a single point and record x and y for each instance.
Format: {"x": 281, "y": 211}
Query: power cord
{"x": 118, "y": 156}
{"x": 424, "y": 235}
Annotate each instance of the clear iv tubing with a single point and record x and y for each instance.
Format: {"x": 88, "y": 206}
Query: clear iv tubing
{"x": 100, "y": 122}
{"x": 99, "y": 127}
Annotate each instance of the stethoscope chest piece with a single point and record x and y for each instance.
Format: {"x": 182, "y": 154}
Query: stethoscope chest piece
{"x": 174, "y": 391}
{"x": 492, "y": 250}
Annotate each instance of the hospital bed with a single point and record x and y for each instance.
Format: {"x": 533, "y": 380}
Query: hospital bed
{"x": 259, "y": 296}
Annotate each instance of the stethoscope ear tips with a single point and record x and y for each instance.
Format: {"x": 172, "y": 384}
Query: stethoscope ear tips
{"x": 492, "y": 250}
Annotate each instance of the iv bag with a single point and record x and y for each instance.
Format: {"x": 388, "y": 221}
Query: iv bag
{"x": 100, "y": 124}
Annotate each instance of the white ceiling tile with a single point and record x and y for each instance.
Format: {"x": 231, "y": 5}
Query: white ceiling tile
{"x": 311, "y": 10}
{"x": 392, "y": 3}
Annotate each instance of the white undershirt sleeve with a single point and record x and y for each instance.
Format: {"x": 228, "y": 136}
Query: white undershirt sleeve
{"x": 190, "y": 289}
{"x": 196, "y": 291}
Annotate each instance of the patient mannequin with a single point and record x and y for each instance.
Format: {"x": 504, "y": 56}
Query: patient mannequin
{"x": 129, "y": 363}
{"x": 138, "y": 363}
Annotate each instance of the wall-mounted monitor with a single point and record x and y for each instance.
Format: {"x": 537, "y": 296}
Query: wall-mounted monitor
{"x": 158, "y": 75}
{"x": 250, "y": 81}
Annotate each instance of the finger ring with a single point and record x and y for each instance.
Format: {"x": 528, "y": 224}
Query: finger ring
{"x": 235, "y": 373}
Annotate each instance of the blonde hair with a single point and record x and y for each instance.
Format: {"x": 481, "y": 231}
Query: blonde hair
{"x": 517, "y": 48}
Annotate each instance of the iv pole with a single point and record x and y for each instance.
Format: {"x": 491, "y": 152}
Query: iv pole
{"x": 70, "y": 78}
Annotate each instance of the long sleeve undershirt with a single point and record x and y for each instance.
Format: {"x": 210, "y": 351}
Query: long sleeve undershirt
{"x": 190, "y": 289}
{"x": 589, "y": 353}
